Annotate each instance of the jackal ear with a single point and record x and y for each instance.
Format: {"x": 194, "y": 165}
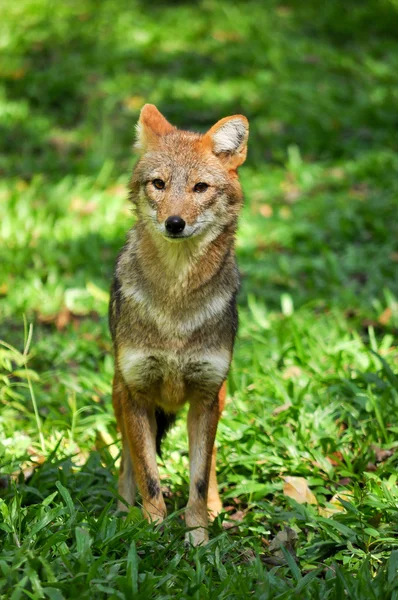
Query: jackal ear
{"x": 150, "y": 127}
{"x": 228, "y": 139}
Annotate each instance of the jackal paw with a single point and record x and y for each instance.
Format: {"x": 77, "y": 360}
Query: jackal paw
{"x": 195, "y": 537}
{"x": 122, "y": 507}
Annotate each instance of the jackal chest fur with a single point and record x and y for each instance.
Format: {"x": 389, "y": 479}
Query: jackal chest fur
{"x": 173, "y": 377}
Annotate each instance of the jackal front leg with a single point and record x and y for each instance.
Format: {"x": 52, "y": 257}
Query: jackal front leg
{"x": 202, "y": 426}
{"x": 140, "y": 429}
{"x": 214, "y": 503}
{"x": 126, "y": 484}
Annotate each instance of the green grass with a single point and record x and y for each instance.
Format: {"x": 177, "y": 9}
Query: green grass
{"x": 313, "y": 391}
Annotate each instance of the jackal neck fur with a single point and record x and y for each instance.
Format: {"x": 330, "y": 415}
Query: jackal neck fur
{"x": 178, "y": 286}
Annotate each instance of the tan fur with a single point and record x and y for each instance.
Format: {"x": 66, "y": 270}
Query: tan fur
{"x": 173, "y": 305}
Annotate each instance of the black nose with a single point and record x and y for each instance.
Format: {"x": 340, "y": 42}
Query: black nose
{"x": 175, "y": 224}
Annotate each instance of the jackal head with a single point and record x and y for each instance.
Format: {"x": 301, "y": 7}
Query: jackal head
{"x": 185, "y": 184}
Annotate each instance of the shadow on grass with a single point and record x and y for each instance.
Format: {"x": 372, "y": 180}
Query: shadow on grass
{"x": 302, "y": 76}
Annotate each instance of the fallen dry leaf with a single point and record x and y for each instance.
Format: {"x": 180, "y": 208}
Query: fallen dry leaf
{"x": 118, "y": 190}
{"x": 61, "y": 319}
{"x": 266, "y": 210}
{"x": 335, "y": 505}
{"x": 385, "y": 316}
{"x": 239, "y": 515}
{"x": 345, "y": 481}
{"x": 292, "y": 372}
{"x": 382, "y": 455}
{"x": 281, "y": 409}
{"x": 297, "y": 488}
{"x": 287, "y": 538}
{"x": 283, "y": 11}
{"x": 226, "y": 36}
{"x": 81, "y": 206}
{"x": 18, "y": 74}
{"x": 291, "y": 191}
{"x": 311, "y": 59}
{"x": 64, "y": 317}
{"x": 335, "y": 459}
{"x": 359, "y": 191}
{"x": 337, "y": 173}
{"x": 371, "y": 467}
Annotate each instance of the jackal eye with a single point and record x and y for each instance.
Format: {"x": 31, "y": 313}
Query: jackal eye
{"x": 200, "y": 187}
{"x": 158, "y": 183}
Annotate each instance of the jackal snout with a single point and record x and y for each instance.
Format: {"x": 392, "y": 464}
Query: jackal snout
{"x": 174, "y": 225}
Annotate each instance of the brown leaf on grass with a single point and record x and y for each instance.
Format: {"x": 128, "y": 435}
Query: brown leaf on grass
{"x": 28, "y": 467}
{"x": 345, "y": 481}
{"x": 167, "y": 492}
{"x": 291, "y": 192}
{"x": 266, "y": 210}
{"x": 394, "y": 256}
{"x": 64, "y": 317}
{"x": 292, "y": 372}
{"x": 287, "y": 538}
{"x": 283, "y": 11}
{"x": 360, "y": 191}
{"x": 271, "y": 246}
{"x": 18, "y": 74}
{"x": 371, "y": 467}
{"x": 3, "y": 289}
{"x": 297, "y": 488}
{"x": 118, "y": 190}
{"x": 82, "y": 207}
{"x": 239, "y": 515}
{"x": 337, "y": 173}
{"x": 60, "y": 319}
{"x": 385, "y": 316}
{"x": 226, "y": 36}
{"x": 335, "y": 458}
{"x": 280, "y": 409}
{"x": 334, "y": 505}
{"x": 311, "y": 59}
{"x": 233, "y": 519}
{"x": 382, "y": 455}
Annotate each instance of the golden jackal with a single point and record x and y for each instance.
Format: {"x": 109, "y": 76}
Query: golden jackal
{"x": 173, "y": 313}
